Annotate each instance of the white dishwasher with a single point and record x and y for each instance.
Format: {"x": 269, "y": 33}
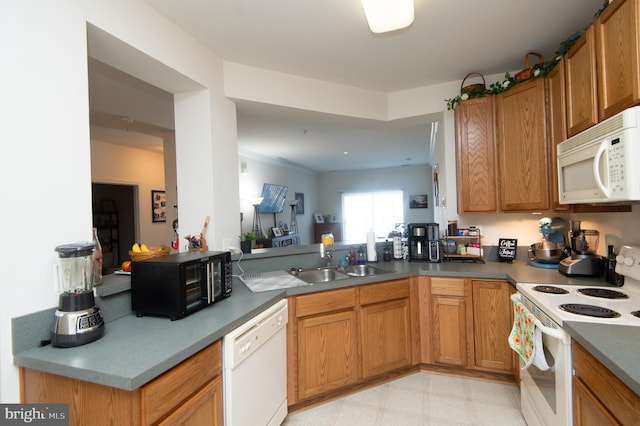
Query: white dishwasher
{"x": 255, "y": 370}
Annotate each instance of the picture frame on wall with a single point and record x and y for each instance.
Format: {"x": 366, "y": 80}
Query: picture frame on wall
{"x": 420, "y": 201}
{"x": 299, "y": 196}
{"x": 158, "y": 206}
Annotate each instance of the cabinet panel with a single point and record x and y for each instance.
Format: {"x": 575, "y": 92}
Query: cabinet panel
{"x": 204, "y": 408}
{"x": 492, "y": 322}
{"x": 581, "y": 84}
{"x": 617, "y": 44}
{"x": 587, "y": 409}
{"x": 476, "y": 156}
{"x": 385, "y": 336}
{"x": 384, "y": 292}
{"x": 449, "y": 330}
{"x": 556, "y": 127}
{"x": 522, "y": 147}
{"x": 325, "y": 301}
{"x": 167, "y": 391}
{"x": 327, "y": 353}
{"x": 621, "y": 401}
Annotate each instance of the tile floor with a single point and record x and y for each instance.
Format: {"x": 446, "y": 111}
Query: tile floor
{"x": 420, "y": 399}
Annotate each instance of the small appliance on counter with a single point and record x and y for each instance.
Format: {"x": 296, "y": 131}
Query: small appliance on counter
{"x": 179, "y": 284}
{"x": 77, "y": 320}
{"x": 552, "y": 249}
{"x": 583, "y": 261}
{"x": 424, "y": 242}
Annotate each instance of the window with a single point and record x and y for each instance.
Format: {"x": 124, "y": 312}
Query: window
{"x": 362, "y": 211}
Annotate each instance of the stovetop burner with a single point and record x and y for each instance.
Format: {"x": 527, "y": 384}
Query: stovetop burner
{"x": 603, "y": 293}
{"x": 589, "y": 310}
{"x": 550, "y": 289}
{"x": 636, "y": 314}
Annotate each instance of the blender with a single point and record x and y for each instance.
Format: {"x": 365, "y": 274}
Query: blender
{"x": 583, "y": 260}
{"x": 77, "y": 320}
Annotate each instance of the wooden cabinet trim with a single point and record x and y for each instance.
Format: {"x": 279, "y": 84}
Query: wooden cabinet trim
{"x": 382, "y": 292}
{"x": 447, "y": 286}
{"x": 326, "y": 301}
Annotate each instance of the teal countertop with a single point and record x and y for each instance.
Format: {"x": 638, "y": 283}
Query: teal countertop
{"x": 135, "y": 350}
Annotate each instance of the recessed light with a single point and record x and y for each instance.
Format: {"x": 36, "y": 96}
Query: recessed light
{"x": 346, "y": 152}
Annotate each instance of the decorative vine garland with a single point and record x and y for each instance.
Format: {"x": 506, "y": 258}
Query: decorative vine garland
{"x": 509, "y": 81}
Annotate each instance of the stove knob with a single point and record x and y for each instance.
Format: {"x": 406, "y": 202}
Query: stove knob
{"x": 626, "y": 260}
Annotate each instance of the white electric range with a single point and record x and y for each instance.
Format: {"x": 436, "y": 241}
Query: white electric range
{"x": 546, "y": 395}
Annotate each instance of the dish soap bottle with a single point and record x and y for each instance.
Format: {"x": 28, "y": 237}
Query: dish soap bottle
{"x": 362, "y": 256}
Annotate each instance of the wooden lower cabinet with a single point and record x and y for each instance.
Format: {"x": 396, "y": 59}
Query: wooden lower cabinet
{"x": 492, "y": 322}
{"x": 324, "y": 327}
{"x": 600, "y": 398}
{"x": 188, "y": 394}
{"x": 385, "y": 327}
{"x": 449, "y": 321}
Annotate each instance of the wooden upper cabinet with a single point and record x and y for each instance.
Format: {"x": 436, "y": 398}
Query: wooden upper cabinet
{"x": 556, "y": 127}
{"x": 476, "y": 157}
{"x": 522, "y": 147}
{"x": 617, "y": 44}
{"x": 581, "y": 84}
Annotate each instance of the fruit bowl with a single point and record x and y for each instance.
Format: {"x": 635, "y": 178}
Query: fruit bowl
{"x": 153, "y": 252}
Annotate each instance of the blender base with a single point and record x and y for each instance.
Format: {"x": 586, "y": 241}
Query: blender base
{"x": 77, "y": 328}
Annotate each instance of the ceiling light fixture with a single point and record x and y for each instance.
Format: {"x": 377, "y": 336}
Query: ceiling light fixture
{"x": 388, "y": 15}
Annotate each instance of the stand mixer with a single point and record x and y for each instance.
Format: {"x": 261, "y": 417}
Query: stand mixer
{"x": 551, "y": 250}
{"x": 583, "y": 260}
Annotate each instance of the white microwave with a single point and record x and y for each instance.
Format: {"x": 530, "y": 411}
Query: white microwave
{"x": 602, "y": 163}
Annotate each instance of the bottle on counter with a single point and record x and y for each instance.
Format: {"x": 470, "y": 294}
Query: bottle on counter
{"x": 353, "y": 257}
{"x": 386, "y": 253}
{"x": 362, "y": 256}
{"x": 97, "y": 259}
{"x": 610, "y": 274}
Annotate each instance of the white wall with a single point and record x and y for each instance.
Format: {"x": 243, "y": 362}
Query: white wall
{"x": 45, "y": 169}
{"x": 118, "y": 164}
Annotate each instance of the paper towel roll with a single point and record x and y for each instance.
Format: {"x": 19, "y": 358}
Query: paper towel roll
{"x": 372, "y": 255}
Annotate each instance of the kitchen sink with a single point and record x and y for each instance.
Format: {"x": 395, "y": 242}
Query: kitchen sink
{"x": 363, "y": 270}
{"x": 319, "y": 275}
{"x": 332, "y": 273}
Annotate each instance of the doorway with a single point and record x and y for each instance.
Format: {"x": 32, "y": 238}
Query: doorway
{"x": 114, "y": 213}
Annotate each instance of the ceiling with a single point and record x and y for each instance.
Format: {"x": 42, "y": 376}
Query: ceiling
{"x": 329, "y": 40}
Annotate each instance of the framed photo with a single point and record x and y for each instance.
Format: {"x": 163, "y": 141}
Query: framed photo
{"x": 276, "y": 231}
{"x": 318, "y": 218}
{"x": 158, "y": 206}
{"x": 285, "y": 228}
{"x": 334, "y": 218}
{"x": 418, "y": 201}
{"x": 300, "y": 206}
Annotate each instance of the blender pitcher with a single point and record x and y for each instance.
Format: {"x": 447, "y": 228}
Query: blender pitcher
{"x": 77, "y": 320}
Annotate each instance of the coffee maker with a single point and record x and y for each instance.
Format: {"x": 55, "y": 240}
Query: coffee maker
{"x": 424, "y": 242}
{"x": 77, "y": 320}
{"x": 583, "y": 260}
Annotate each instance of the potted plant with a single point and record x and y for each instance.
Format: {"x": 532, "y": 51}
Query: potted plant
{"x": 246, "y": 241}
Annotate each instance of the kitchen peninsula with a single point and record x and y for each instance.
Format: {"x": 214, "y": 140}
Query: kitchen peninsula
{"x": 135, "y": 351}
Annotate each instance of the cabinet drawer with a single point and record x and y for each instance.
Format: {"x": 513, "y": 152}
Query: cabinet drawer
{"x": 325, "y": 301}
{"x": 167, "y": 391}
{"x": 447, "y": 286}
{"x": 383, "y": 292}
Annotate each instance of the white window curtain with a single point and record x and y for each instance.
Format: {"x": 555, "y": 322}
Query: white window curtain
{"x": 362, "y": 211}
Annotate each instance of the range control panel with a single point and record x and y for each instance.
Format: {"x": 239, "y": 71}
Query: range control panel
{"x": 628, "y": 262}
